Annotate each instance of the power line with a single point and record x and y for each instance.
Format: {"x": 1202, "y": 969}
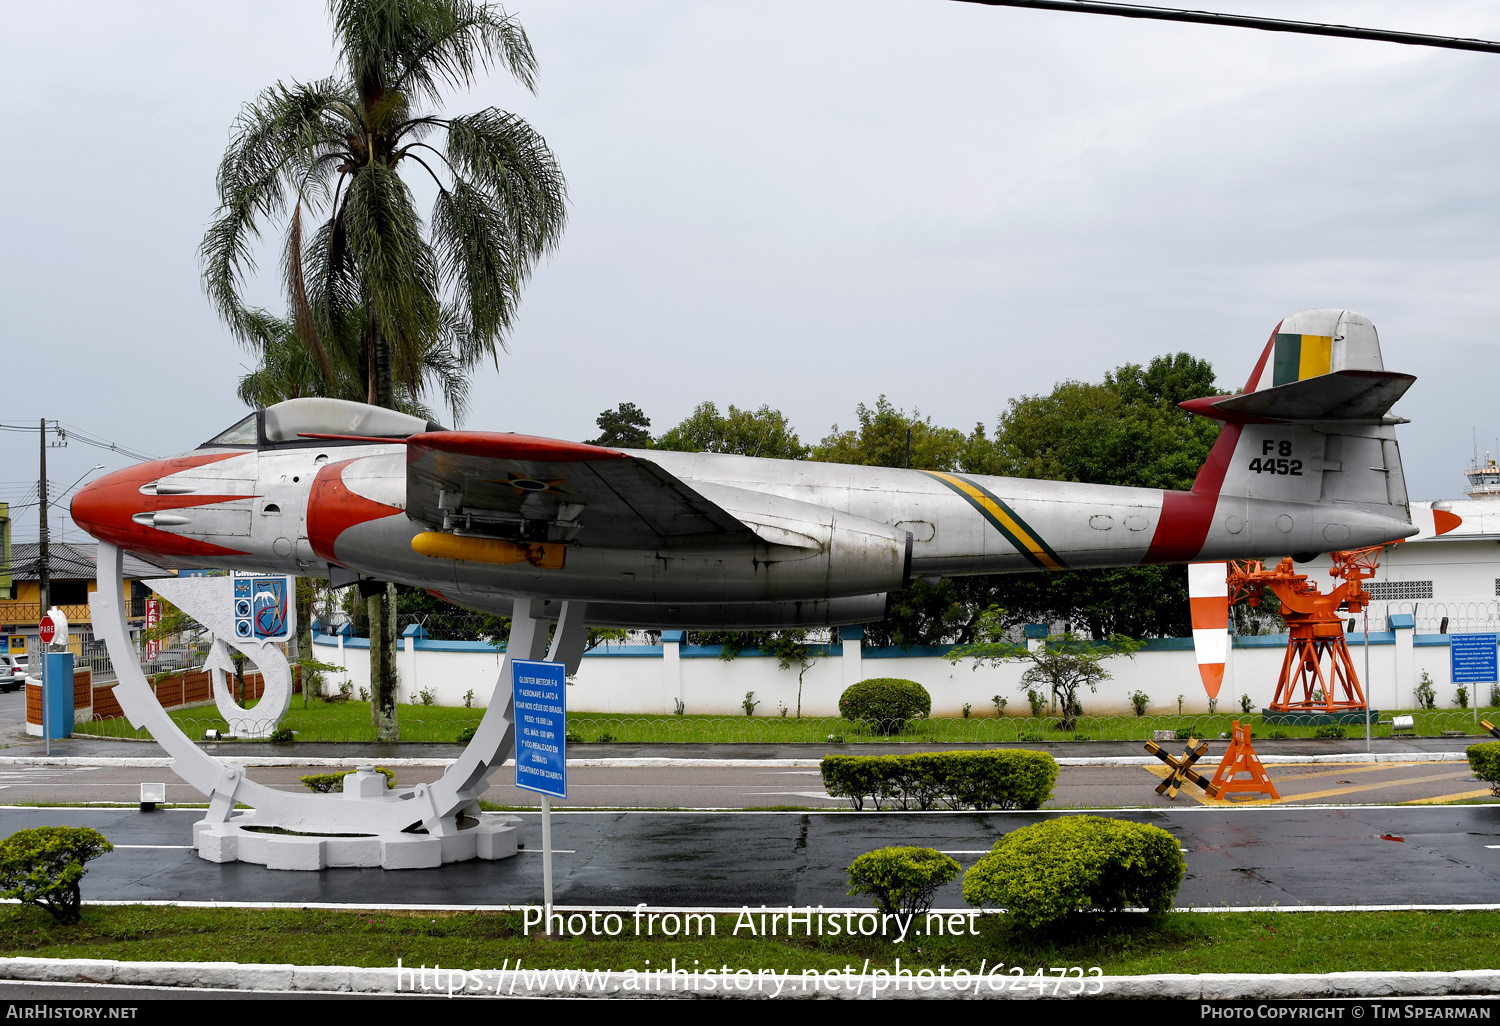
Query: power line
{"x": 102, "y": 443}
{"x": 1310, "y": 28}
{"x": 66, "y": 432}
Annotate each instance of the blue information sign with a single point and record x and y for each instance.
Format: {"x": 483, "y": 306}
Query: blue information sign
{"x": 541, "y": 726}
{"x": 1472, "y": 658}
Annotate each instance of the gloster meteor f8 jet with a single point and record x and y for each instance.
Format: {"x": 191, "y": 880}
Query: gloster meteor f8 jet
{"x": 1306, "y": 462}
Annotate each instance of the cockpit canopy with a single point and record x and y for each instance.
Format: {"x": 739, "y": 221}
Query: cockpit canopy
{"x": 290, "y": 423}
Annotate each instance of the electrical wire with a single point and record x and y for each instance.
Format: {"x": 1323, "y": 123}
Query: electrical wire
{"x": 66, "y": 432}
{"x": 1311, "y": 28}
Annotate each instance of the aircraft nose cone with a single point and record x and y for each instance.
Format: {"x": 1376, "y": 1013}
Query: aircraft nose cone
{"x": 125, "y": 509}
{"x": 104, "y": 507}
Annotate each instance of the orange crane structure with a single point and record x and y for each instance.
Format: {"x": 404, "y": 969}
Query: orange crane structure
{"x": 1315, "y": 621}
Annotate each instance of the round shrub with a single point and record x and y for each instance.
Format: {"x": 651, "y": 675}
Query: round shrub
{"x": 43, "y": 866}
{"x": 901, "y": 880}
{"x": 886, "y": 702}
{"x": 1484, "y": 760}
{"x": 1041, "y": 873}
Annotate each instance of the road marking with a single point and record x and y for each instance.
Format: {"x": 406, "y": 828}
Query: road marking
{"x": 538, "y": 851}
{"x": 163, "y": 847}
{"x": 968, "y": 851}
{"x": 797, "y": 794}
{"x": 1373, "y": 787}
{"x": 1483, "y": 792}
{"x": 1162, "y": 772}
{"x": 1349, "y": 770}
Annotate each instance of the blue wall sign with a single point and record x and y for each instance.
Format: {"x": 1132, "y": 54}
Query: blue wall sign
{"x": 1472, "y": 658}
{"x": 541, "y": 726}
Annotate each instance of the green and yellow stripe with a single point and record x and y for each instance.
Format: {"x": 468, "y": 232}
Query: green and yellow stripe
{"x": 1299, "y": 357}
{"x": 1004, "y": 519}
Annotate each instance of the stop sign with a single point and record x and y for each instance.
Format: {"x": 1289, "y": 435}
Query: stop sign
{"x": 47, "y": 630}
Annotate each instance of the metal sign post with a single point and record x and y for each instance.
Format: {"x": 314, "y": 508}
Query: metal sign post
{"x": 1368, "y": 745}
{"x": 541, "y": 747}
{"x": 45, "y": 632}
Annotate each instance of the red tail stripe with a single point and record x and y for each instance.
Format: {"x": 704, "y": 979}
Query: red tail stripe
{"x": 1187, "y": 516}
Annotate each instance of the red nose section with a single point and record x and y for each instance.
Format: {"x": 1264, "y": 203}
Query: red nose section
{"x": 105, "y": 508}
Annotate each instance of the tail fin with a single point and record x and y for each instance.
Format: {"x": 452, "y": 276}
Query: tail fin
{"x": 1311, "y": 428}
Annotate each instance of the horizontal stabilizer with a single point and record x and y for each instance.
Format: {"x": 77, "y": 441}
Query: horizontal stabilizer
{"x": 1346, "y": 395}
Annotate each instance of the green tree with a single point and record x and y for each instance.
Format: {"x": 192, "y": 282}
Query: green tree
{"x": 763, "y": 432}
{"x": 793, "y": 649}
{"x": 1127, "y": 430}
{"x": 1062, "y": 665}
{"x": 881, "y": 441}
{"x": 624, "y": 427}
{"x": 374, "y": 295}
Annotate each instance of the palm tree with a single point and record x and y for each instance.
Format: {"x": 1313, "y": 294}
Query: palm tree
{"x": 377, "y": 299}
{"x": 286, "y": 370}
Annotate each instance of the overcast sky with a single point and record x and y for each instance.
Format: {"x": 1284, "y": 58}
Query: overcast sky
{"x": 805, "y": 204}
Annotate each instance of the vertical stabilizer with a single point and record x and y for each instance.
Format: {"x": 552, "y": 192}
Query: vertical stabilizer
{"x": 1307, "y": 460}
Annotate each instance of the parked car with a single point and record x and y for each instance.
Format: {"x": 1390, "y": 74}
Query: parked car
{"x": 12, "y": 672}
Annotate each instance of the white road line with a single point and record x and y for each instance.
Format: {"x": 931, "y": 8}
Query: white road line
{"x": 163, "y": 847}
{"x": 796, "y": 794}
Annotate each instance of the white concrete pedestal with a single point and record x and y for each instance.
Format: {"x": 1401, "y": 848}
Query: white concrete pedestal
{"x": 242, "y": 839}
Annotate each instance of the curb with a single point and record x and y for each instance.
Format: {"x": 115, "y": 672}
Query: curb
{"x": 994, "y": 984}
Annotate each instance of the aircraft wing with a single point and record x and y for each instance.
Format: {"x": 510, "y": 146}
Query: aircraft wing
{"x": 527, "y": 489}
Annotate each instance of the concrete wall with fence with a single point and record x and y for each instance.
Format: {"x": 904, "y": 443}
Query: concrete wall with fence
{"x": 649, "y": 679}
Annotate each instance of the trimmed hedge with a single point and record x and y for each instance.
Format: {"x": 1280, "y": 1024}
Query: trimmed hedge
{"x": 1484, "y": 760}
{"x": 886, "y": 702}
{"x": 43, "y": 866}
{"x": 999, "y": 779}
{"x": 901, "y": 880}
{"x": 1041, "y": 873}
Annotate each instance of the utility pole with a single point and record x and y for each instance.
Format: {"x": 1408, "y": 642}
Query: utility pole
{"x": 43, "y": 576}
{"x": 44, "y": 579}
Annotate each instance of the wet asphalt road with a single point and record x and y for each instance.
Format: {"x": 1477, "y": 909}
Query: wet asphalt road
{"x": 1284, "y": 856}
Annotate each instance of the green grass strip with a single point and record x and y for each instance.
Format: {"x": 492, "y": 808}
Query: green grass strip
{"x": 350, "y": 721}
{"x": 1270, "y": 942}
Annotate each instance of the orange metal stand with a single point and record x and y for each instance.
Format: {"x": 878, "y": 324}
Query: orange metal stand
{"x": 1241, "y": 759}
{"x": 1317, "y": 632}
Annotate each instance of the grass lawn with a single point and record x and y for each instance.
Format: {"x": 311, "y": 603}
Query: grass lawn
{"x": 320, "y": 721}
{"x": 350, "y": 721}
{"x": 1119, "y": 944}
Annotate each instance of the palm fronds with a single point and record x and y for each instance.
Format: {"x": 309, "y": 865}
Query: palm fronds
{"x": 380, "y": 304}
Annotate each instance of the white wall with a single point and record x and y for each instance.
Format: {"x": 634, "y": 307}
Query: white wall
{"x": 639, "y": 679}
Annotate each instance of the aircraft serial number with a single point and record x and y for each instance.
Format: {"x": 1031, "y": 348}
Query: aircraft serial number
{"x": 1264, "y": 464}
{"x": 1292, "y": 468}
